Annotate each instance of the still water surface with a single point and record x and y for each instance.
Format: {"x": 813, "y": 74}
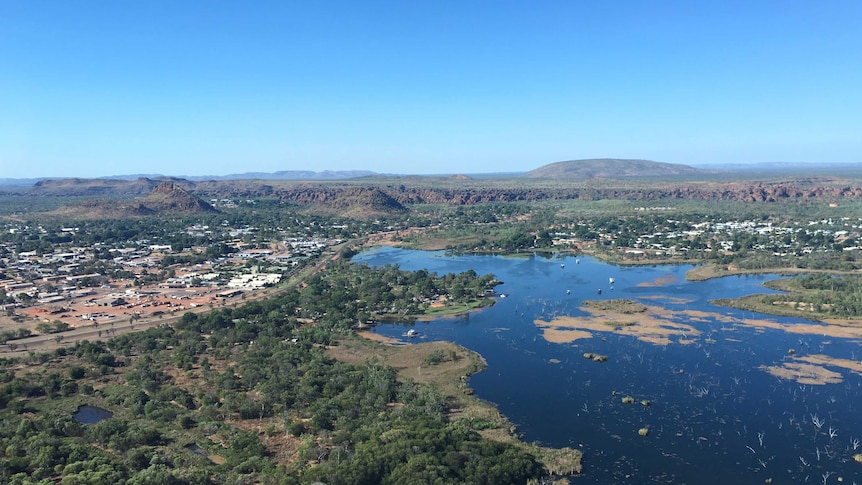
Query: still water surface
{"x": 715, "y": 416}
{"x": 91, "y": 414}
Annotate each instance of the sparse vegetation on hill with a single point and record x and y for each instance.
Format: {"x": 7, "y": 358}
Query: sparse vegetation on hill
{"x": 360, "y": 203}
{"x": 636, "y": 181}
{"x": 77, "y": 187}
{"x": 170, "y": 196}
{"x": 611, "y": 168}
{"x": 166, "y": 197}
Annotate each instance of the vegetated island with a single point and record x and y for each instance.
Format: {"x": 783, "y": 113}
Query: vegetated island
{"x": 829, "y": 298}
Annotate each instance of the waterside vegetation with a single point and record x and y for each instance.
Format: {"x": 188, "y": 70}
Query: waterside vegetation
{"x": 255, "y": 388}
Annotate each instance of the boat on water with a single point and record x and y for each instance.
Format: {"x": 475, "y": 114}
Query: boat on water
{"x": 562, "y": 265}
{"x": 611, "y": 280}
{"x": 412, "y": 333}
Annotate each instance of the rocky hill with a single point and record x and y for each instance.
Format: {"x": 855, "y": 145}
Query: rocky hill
{"x": 391, "y": 196}
{"x": 166, "y": 197}
{"x": 610, "y": 168}
{"x": 170, "y": 196}
{"x": 79, "y": 187}
{"x": 355, "y": 202}
{"x": 376, "y": 197}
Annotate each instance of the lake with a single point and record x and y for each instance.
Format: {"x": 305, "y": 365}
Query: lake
{"x": 732, "y": 396}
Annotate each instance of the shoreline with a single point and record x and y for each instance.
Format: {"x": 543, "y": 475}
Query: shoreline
{"x": 450, "y": 378}
{"x": 702, "y": 271}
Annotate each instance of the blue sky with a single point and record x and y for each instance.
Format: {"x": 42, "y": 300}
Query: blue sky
{"x": 209, "y": 88}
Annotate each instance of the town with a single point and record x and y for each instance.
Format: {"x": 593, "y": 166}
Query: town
{"x": 49, "y": 288}
{"x": 67, "y": 286}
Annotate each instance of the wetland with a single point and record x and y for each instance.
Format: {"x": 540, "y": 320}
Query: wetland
{"x": 731, "y": 394}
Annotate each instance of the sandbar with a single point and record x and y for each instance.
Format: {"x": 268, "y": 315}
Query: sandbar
{"x": 380, "y": 338}
{"x": 660, "y": 281}
{"x": 658, "y": 325}
{"x": 804, "y": 373}
{"x": 820, "y": 359}
{"x": 654, "y": 325}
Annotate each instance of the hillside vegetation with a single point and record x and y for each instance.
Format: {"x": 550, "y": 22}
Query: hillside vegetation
{"x": 611, "y": 168}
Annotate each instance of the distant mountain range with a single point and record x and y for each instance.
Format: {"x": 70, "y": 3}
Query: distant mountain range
{"x": 608, "y": 168}
{"x": 372, "y": 196}
{"x": 289, "y": 175}
{"x": 848, "y": 168}
{"x": 280, "y": 175}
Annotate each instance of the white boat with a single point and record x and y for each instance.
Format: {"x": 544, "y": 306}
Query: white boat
{"x": 412, "y": 333}
{"x": 562, "y": 265}
{"x": 611, "y": 280}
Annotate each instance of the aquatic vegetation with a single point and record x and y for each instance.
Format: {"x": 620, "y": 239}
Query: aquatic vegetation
{"x": 655, "y": 325}
{"x": 700, "y": 392}
{"x": 817, "y": 422}
{"x": 595, "y": 357}
{"x": 660, "y": 281}
{"x": 615, "y": 323}
{"x": 804, "y": 373}
{"x": 619, "y": 305}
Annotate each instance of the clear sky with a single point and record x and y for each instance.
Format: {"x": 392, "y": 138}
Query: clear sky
{"x": 466, "y": 86}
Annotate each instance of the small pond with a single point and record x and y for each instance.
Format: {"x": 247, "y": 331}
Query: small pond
{"x": 91, "y": 414}
{"x": 217, "y": 459}
{"x": 196, "y": 449}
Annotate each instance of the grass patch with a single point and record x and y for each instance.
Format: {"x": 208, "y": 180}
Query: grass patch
{"x": 456, "y": 309}
{"x": 613, "y": 323}
{"x": 619, "y": 305}
{"x": 769, "y": 305}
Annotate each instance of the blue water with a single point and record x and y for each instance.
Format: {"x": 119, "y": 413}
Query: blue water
{"x": 715, "y": 415}
{"x": 91, "y": 414}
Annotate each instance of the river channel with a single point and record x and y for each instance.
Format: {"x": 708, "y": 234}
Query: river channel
{"x": 710, "y": 393}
